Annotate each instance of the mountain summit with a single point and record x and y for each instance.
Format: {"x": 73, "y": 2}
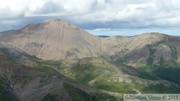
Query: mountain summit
{"x": 52, "y": 24}
{"x": 53, "y": 40}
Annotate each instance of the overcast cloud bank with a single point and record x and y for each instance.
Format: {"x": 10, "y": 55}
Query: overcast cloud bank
{"x": 94, "y": 15}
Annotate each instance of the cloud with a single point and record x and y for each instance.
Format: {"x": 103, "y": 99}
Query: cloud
{"x": 92, "y": 14}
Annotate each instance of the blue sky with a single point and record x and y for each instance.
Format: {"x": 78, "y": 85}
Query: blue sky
{"x": 99, "y": 17}
{"x": 132, "y": 32}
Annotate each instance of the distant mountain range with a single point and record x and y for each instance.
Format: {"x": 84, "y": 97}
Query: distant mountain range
{"x": 57, "y": 61}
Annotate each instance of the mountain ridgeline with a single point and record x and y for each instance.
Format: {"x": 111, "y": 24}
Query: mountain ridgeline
{"x": 57, "y": 61}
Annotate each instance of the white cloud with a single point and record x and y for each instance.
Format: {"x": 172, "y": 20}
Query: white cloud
{"x": 102, "y": 29}
{"x": 108, "y": 13}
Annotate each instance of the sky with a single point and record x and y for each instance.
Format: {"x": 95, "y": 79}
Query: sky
{"x": 99, "y": 17}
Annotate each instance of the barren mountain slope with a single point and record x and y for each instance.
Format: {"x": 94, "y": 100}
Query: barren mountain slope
{"x": 53, "y": 40}
{"x": 58, "y": 39}
{"x": 138, "y": 50}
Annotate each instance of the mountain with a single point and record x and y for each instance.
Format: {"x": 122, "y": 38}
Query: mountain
{"x": 56, "y": 60}
{"x": 39, "y": 82}
{"x": 57, "y": 39}
{"x": 140, "y": 50}
{"x": 53, "y": 40}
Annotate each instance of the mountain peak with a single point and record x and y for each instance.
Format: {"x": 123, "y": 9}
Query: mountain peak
{"x": 55, "y": 19}
{"x": 50, "y": 25}
{"x": 154, "y": 34}
{"x": 56, "y": 36}
{"x": 58, "y": 22}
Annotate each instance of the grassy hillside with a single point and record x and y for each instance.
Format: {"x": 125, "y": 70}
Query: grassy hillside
{"x": 27, "y": 78}
{"x": 101, "y": 74}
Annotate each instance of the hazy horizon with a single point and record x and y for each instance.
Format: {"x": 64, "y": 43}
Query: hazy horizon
{"x": 134, "y": 32}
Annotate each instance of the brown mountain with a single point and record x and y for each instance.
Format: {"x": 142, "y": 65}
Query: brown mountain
{"x": 57, "y": 39}
{"x": 53, "y": 40}
{"x": 138, "y": 49}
